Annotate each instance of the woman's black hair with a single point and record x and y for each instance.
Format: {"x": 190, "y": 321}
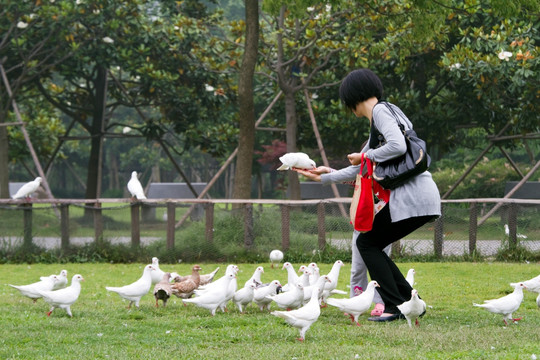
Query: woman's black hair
{"x": 358, "y": 86}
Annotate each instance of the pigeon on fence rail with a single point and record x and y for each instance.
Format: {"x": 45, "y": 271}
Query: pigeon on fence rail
{"x": 213, "y": 297}
{"x": 163, "y": 290}
{"x": 297, "y": 160}
{"x": 65, "y": 297}
{"x": 410, "y": 277}
{"x": 413, "y": 308}
{"x": 28, "y": 189}
{"x": 304, "y": 317}
{"x": 357, "y": 305}
{"x": 61, "y": 282}
{"x": 31, "y": 291}
{"x": 275, "y": 257}
{"x": 505, "y": 305}
{"x": 185, "y": 288}
{"x": 135, "y": 188}
{"x": 135, "y": 291}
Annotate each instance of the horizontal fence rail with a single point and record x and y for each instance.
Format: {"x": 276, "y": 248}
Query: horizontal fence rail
{"x": 458, "y": 214}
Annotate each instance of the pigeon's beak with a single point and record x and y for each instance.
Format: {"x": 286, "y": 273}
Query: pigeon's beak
{"x": 82, "y": 279}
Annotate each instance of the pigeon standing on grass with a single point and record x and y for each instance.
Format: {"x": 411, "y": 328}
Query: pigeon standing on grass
{"x": 61, "y": 282}
{"x": 532, "y": 285}
{"x": 212, "y": 298}
{"x": 413, "y": 308}
{"x": 260, "y": 294}
{"x": 275, "y": 257}
{"x": 505, "y": 305}
{"x": 64, "y": 298}
{"x": 297, "y": 160}
{"x": 185, "y": 289}
{"x": 163, "y": 290}
{"x": 157, "y": 274}
{"x": 333, "y": 275}
{"x": 204, "y": 279}
{"x": 31, "y": 291}
{"x": 292, "y": 299}
{"x": 135, "y": 188}
{"x": 28, "y": 189}
{"x": 302, "y": 318}
{"x": 256, "y": 277}
{"x": 410, "y": 277}
{"x": 292, "y": 276}
{"x": 135, "y": 291}
{"x": 356, "y": 305}
{"x": 244, "y": 296}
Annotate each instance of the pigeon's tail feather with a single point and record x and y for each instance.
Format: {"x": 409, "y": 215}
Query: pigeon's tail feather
{"x": 111, "y": 288}
{"x": 283, "y": 167}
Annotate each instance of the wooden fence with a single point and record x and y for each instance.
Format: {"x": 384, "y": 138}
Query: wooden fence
{"x": 247, "y": 205}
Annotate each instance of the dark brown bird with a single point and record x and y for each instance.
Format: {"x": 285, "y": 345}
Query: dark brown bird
{"x": 184, "y": 287}
{"x": 163, "y": 290}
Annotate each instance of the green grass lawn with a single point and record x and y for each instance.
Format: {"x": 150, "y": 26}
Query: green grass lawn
{"x": 102, "y": 327}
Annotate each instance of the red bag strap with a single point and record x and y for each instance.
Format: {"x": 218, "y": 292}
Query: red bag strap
{"x": 367, "y": 162}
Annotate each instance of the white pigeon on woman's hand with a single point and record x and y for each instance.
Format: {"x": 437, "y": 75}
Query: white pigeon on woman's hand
{"x": 297, "y": 160}
{"x": 28, "y": 189}
{"x": 135, "y": 188}
{"x": 302, "y": 318}
{"x": 356, "y": 305}
{"x": 64, "y": 298}
{"x": 413, "y": 308}
{"x": 505, "y": 305}
{"x": 135, "y": 291}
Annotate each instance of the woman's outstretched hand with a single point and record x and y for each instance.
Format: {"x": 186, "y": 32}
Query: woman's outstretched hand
{"x": 355, "y": 158}
{"x": 314, "y": 174}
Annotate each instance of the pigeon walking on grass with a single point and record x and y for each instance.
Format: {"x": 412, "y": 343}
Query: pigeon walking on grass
{"x": 256, "y": 277}
{"x": 297, "y": 160}
{"x": 302, "y": 318}
{"x": 410, "y": 277}
{"x": 413, "y": 308}
{"x": 275, "y": 257}
{"x": 163, "y": 290}
{"x": 260, "y": 294}
{"x": 292, "y": 299}
{"x": 244, "y": 296}
{"x": 135, "y": 291}
{"x": 214, "y": 297}
{"x": 32, "y": 291}
{"x": 65, "y": 297}
{"x": 157, "y": 274}
{"x": 185, "y": 288}
{"x": 357, "y": 305}
{"x": 505, "y": 305}
{"x": 26, "y": 191}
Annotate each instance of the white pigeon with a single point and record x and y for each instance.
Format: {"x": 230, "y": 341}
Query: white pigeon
{"x": 229, "y": 293}
{"x": 135, "y": 188}
{"x": 333, "y": 275}
{"x": 231, "y": 269}
{"x": 28, "y": 189}
{"x": 538, "y": 301}
{"x": 292, "y": 299}
{"x": 65, "y": 297}
{"x": 157, "y": 274}
{"x": 413, "y": 308}
{"x": 31, "y": 291}
{"x": 214, "y": 297}
{"x": 505, "y": 305}
{"x": 297, "y": 160}
{"x": 304, "y": 317}
{"x": 61, "y": 282}
{"x": 135, "y": 291}
{"x": 533, "y": 285}
{"x": 318, "y": 286}
{"x": 256, "y": 277}
{"x": 292, "y": 276}
{"x": 357, "y": 305}
{"x": 410, "y": 277}
{"x": 507, "y": 232}
{"x": 304, "y": 278}
{"x": 244, "y": 296}
{"x": 260, "y": 293}
{"x": 275, "y": 257}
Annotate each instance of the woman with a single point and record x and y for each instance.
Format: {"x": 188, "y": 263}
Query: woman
{"x": 411, "y": 205}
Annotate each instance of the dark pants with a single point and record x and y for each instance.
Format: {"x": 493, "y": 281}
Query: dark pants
{"x": 394, "y": 289}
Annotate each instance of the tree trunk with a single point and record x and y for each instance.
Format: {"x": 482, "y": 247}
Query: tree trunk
{"x": 290, "y": 114}
{"x": 246, "y": 139}
{"x": 93, "y": 180}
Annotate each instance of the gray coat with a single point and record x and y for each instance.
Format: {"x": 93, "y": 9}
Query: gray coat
{"x": 419, "y": 196}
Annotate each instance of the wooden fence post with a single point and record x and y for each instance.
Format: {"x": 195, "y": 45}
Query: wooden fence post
{"x": 473, "y": 227}
{"x": 209, "y": 211}
{"x": 512, "y": 226}
{"x": 64, "y": 226}
{"x": 27, "y": 220}
{"x": 135, "y": 225}
{"x": 171, "y": 219}
{"x": 439, "y": 231}
{"x": 248, "y": 226}
{"x": 321, "y": 226}
{"x": 98, "y": 223}
{"x": 285, "y": 228}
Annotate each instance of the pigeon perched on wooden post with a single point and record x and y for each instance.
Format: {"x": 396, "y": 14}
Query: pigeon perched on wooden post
{"x": 28, "y": 189}
{"x": 413, "y": 308}
{"x": 135, "y": 291}
{"x": 298, "y": 160}
{"x": 65, "y": 297}
{"x": 135, "y": 188}
{"x": 505, "y": 305}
